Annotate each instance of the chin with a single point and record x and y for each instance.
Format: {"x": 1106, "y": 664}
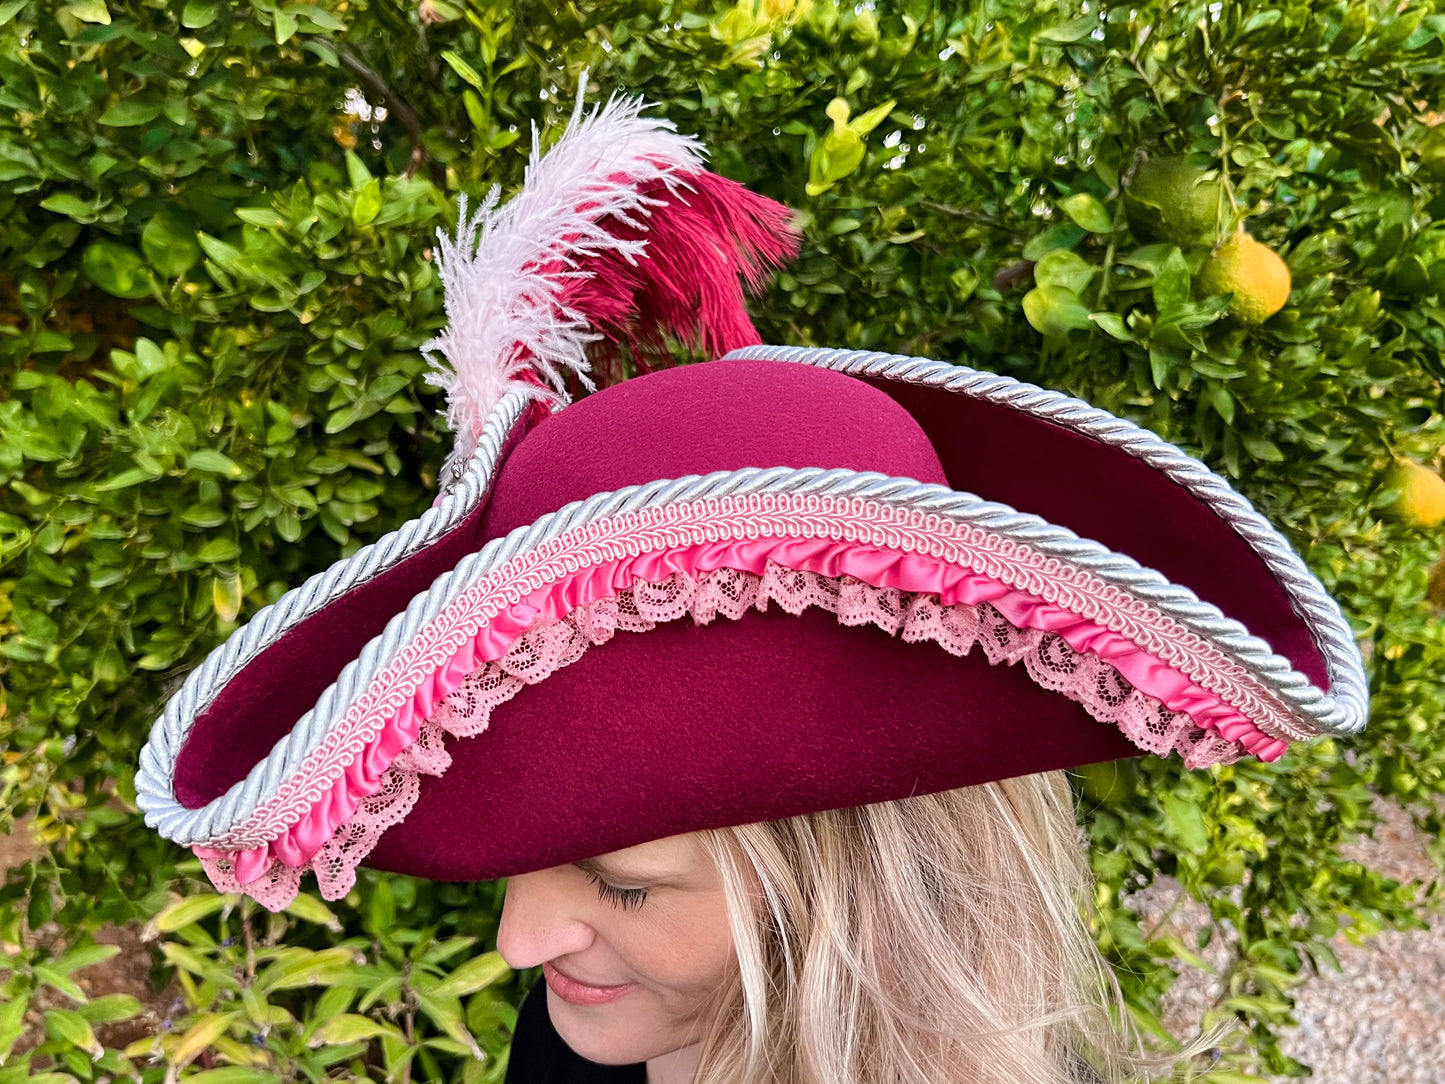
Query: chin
{"x": 605, "y": 1034}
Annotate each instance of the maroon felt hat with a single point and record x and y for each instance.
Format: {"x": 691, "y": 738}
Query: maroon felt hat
{"x": 782, "y": 581}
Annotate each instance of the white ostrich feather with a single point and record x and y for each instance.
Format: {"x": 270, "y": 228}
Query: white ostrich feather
{"x": 504, "y": 316}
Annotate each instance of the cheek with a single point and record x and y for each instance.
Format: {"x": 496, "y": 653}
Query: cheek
{"x": 683, "y": 963}
{"x": 688, "y": 953}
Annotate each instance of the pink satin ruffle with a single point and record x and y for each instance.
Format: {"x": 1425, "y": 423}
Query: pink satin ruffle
{"x": 911, "y": 572}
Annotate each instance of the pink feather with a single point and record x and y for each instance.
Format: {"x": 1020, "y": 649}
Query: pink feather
{"x": 619, "y": 237}
{"x": 708, "y": 239}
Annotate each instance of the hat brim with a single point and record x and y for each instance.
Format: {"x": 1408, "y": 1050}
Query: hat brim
{"x": 1112, "y": 483}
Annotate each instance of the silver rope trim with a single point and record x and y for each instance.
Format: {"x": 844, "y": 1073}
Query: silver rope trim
{"x": 1321, "y": 614}
{"x": 1330, "y": 714}
{"x": 464, "y": 491}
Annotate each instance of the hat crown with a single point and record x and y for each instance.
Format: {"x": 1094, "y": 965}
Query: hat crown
{"x": 720, "y": 416}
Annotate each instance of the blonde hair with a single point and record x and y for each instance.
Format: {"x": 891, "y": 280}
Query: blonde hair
{"x": 933, "y": 940}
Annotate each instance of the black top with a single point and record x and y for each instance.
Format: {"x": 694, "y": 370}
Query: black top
{"x": 539, "y": 1056}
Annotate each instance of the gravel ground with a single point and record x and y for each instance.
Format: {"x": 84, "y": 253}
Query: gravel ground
{"x": 1381, "y": 1018}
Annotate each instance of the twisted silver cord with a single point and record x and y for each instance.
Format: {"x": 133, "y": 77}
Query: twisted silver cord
{"x": 212, "y": 821}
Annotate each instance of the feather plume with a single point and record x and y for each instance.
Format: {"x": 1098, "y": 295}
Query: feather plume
{"x": 617, "y": 234}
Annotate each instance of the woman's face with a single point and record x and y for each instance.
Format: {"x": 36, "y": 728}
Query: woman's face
{"x": 634, "y": 945}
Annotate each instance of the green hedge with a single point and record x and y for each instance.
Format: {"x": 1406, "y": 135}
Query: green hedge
{"x": 210, "y": 310}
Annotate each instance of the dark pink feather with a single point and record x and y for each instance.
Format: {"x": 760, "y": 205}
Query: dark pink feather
{"x": 708, "y": 239}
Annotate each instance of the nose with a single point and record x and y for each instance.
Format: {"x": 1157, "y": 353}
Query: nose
{"x": 539, "y": 922}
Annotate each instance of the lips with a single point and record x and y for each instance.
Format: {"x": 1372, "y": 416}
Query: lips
{"x": 576, "y": 992}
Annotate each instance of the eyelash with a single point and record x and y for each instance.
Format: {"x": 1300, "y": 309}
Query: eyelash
{"x": 627, "y": 899}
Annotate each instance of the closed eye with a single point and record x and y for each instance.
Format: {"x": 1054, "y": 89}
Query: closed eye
{"x": 626, "y": 899}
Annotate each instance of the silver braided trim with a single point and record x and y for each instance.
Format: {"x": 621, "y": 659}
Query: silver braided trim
{"x": 463, "y": 493}
{"x": 186, "y": 826}
{"x": 1319, "y": 611}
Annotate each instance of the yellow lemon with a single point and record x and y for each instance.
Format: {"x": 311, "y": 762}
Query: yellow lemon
{"x": 1169, "y": 200}
{"x": 1253, "y": 273}
{"x": 1419, "y": 494}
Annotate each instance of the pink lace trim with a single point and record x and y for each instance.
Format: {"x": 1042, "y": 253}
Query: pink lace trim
{"x": 877, "y": 542}
{"x": 548, "y": 645}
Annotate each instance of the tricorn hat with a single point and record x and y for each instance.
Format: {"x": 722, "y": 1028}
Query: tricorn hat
{"x": 778, "y": 582}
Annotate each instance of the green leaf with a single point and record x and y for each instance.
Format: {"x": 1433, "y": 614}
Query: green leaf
{"x": 311, "y": 909}
{"x": 465, "y": 70}
{"x": 476, "y": 112}
{"x": 66, "y": 203}
{"x": 218, "y": 550}
{"x": 964, "y": 282}
{"x": 1354, "y": 26}
{"x": 116, "y": 269}
{"x": 866, "y": 122}
{"x": 304, "y": 967}
{"x": 198, "y": 14}
{"x": 87, "y": 954}
{"x": 150, "y": 359}
{"x": 1064, "y": 235}
{"x": 1088, "y": 212}
{"x": 318, "y": 15}
{"x": 479, "y": 971}
{"x": 1171, "y": 282}
{"x": 351, "y": 1027}
{"x": 1070, "y": 32}
{"x": 1186, "y": 822}
{"x": 201, "y": 1035}
{"x": 111, "y": 1009}
{"x": 1062, "y": 267}
{"x": 1260, "y": 19}
{"x": 1261, "y": 448}
{"x": 127, "y": 113}
{"x": 226, "y": 256}
{"x": 1223, "y": 402}
{"x": 368, "y": 203}
{"x": 68, "y": 1026}
{"x": 185, "y": 959}
{"x": 446, "y": 1013}
{"x": 1113, "y": 324}
{"x": 49, "y": 976}
{"x": 356, "y": 172}
{"x": 266, "y": 217}
{"x": 285, "y": 25}
{"x": 836, "y": 156}
{"x": 441, "y": 951}
{"x": 169, "y": 243}
{"x": 1053, "y": 310}
{"x": 227, "y": 596}
{"x": 233, "y": 1074}
{"x": 189, "y": 910}
{"x": 12, "y": 1022}
{"x": 208, "y": 459}
{"x": 331, "y": 1003}
{"x": 134, "y": 476}
{"x": 10, "y": 8}
{"x": 1148, "y": 257}
{"x": 90, "y": 11}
